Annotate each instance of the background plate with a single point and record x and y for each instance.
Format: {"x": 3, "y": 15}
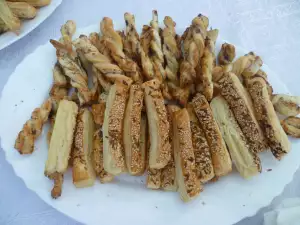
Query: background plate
{"x": 224, "y": 202}
{"x": 28, "y": 25}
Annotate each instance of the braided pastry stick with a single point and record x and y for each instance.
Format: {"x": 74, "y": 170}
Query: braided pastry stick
{"x": 146, "y": 52}
{"x": 193, "y": 46}
{"x": 113, "y": 41}
{"x": 101, "y": 64}
{"x": 207, "y": 64}
{"x": 33, "y": 128}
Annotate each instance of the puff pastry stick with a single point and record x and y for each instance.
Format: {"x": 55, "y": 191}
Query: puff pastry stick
{"x": 33, "y": 128}
{"x": 241, "y": 105}
{"x": 113, "y": 153}
{"x": 147, "y": 67}
{"x": 114, "y": 42}
{"x": 226, "y": 54}
{"x": 168, "y": 173}
{"x": 266, "y": 116}
{"x": 83, "y": 172}
{"x": 220, "y": 156}
{"x": 97, "y": 159}
{"x": 135, "y": 160}
{"x": 286, "y": 105}
{"x": 188, "y": 183}
{"x": 98, "y": 111}
{"x": 160, "y": 149}
{"x": 246, "y": 162}
{"x": 203, "y": 161}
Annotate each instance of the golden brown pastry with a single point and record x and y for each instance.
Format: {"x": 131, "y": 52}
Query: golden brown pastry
{"x": 168, "y": 174}
{"x": 97, "y": 159}
{"x": 286, "y": 105}
{"x": 247, "y": 163}
{"x": 135, "y": 160}
{"x": 242, "y": 107}
{"x": 83, "y": 172}
{"x": 114, "y": 157}
{"x": 188, "y": 183}
{"x": 98, "y": 112}
{"x": 226, "y": 54}
{"x": 33, "y": 128}
{"x": 160, "y": 149}
{"x": 219, "y": 154}
{"x": 291, "y": 126}
{"x": 203, "y": 161}
{"x": 266, "y": 116}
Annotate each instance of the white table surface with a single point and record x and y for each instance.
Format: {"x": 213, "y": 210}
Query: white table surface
{"x": 271, "y": 28}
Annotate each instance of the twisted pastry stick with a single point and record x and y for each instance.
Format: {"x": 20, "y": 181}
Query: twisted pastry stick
{"x": 171, "y": 50}
{"x": 114, "y": 42}
{"x": 33, "y": 128}
{"x": 99, "y": 43}
{"x": 101, "y": 64}
{"x": 226, "y": 54}
{"x": 74, "y": 72}
{"x": 146, "y": 37}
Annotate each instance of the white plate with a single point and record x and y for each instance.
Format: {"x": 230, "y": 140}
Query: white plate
{"x": 28, "y": 25}
{"x": 127, "y": 201}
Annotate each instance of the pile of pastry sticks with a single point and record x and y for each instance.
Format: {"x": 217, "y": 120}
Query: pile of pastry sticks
{"x": 158, "y": 102}
{"x": 12, "y": 12}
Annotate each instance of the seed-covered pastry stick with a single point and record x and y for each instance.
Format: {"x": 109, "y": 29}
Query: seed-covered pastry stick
{"x": 207, "y": 64}
{"x": 203, "y": 160}
{"x": 35, "y": 3}
{"x": 226, "y": 54}
{"x": 241, "y": 105}
{"x": 83, "y": 172}
{"x": 168, "y": 173}
{"x": 286, "y": 105}
{"x": 22, "y": 10}
{"x": 220, "y": 156}
{"x": 160, "y": 149}
{"x": 33, "y": 128}
{"x": 61, "y": 143}
{"x": 267, "y": 118}
{"x": 135, "y": 160}
{"x": 9, "y": 19}
{"x": 245, "y": 161}
{"x": 114, "y": 157}
{"x": 97, "y": 159}
{"x": 114, "y": 42}
{"x": 188, "y": 183}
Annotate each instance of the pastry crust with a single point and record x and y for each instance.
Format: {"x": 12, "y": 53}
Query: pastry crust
{"x": 188, "y": 184}
{"x": 266, "y": 116}
{"x": 114, "y": 160}
{"x": 160, "y": 149}
{"x": 203, "y": 161}
{"x": 62, "y": 138}
{"x": 247, "y": 163}
{"x": 98, "y": 111}
{"x": 132, "y": 128}
{"x": 33, "y": 128}
{"x": 168, "y": 173}
{"x": 226, "y": 54}
{"x": 242, "y": 107}
{"x": 220, "y": 156}
{"x": 97, "y": 159}
{"x": 83, "y": 172}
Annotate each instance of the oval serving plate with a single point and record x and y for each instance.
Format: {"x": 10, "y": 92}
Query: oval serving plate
{"x": 27, "y": 26}
{"x": 126, "y": 200}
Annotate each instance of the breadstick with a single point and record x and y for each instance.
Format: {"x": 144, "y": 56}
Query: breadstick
{"x": 83, "y": 172}
{"x": 266, "y": 116}
{"x": 114, "y": 42}
{"x": 146, "y": 38}
{"x": 241, "y": 105}
{"x": 286, "y": 105}
{"x": 226, "y": 54}
{"x": 168, "y": 173}
{"x": 97, "y": 159}
{"x": 98, "y": 112}
{"x": 207, "y": 64}
{"x": 99, "y": 43}
{"x": 33, "y": 128}
{"x": 113, "y": 153}
{"x": 219, "y": 154}
{"x": 132, "y": 128}
{"x": 247, "y": 163}
{"x": 203, "y": 160}
{"x": 160, "y": 149}
{"x": 188, "y": 184}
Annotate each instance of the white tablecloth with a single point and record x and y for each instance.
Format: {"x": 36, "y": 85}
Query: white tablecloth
{"x": 271, "y": 28}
